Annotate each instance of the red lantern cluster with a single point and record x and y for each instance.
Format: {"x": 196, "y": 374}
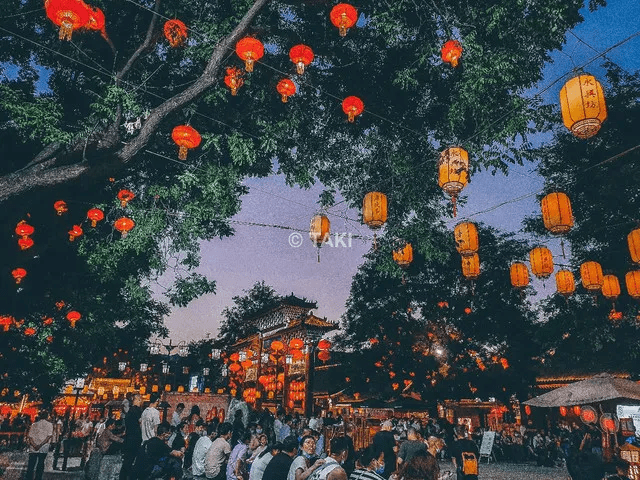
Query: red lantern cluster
{"x": 296, "y": 391}
{"x": 24, "y": 231}
{"x": 451, "y": 52}
{"x": 250, "y": 395}
{"x": 175, "y": 31}
{"x": 5, "y": 322}
{"x": 233, "y": 79}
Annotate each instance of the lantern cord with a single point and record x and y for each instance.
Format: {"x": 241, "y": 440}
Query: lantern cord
{"x": 562, "y": 247}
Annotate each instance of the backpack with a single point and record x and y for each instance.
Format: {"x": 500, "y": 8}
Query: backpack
{"x": 143, "y": 464}
{"x": 469, "y": 463}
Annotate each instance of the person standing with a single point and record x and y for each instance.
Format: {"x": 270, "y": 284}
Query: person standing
{"x": 236, "y": 467}
{"x": 305, "y": 463}
{"x": 279, "y": 466}
{"x": 218, "y": 453}
{"x": 193, "y": 439}
{"x": 464, "y": 455}
{"x": 177, "y": 415}
{"x": 385, "y": 441}
{"x": 411, "y": 446}
{"x": 132, "y": 438}
{"x": 199, "y": 452}
{"x": 332, "y": 467}
{"x": 150, "y": 418}
{"x": 38, "y": 438}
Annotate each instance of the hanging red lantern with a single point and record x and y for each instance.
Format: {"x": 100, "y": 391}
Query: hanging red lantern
{"x": 591, "y": 274}
{"x": 302, "y": 56}
{"x": 96, "y": 19}
{"x": 324, "y": 356}
{"x": 175, "y": 31}
{"x": 69, "y": 15}
{"x": 403, "y": 256}
{"x": 286, "y": 88}
{"x": 343, "y": 16}
{"x": 25, "y": 243}
{"x": 277, "y": 346}
{"x": 235, "y": 368}
{"x": 186, "y": 137}
{"x": 50, "y": 340}
{"x": 324, "y": 344}
{"x": 18, "y": 274}
{"x": 451, "y": 52}
{"x": 519, "y": 275}
{"x": 60, "y": 207}
{"x": 75, "y": 232}
{"x": 250, "y": 50}
{"x": 565, "y": 283}
{"x": 563, "y": 411}
{"x": 73, "y": 317}
{"x": 633, "y": 240}
{"x": 468, "y": 311}
{"x": 296, "y": 343}
{"x": 29, "y": 331}
{"x": 319, "y": 230}
{"x": 632, "y": 280}
{"x": 124, "y": 225}
{"x": 246, "y": 364}
{"x": 95, "y": 215}
{"x": 47, "y": 321}
{"x": 541, "y": 261}
{"x": 453, "y": 172}
{"x": 353, "y": 107}
{"x": 5, "y": 322}
{"x": 125, "y": 196}
{"x": 233, "y": 79}
{"x": 527, "y": 410}
{"x": 234, "y": 357}
{"x": 583, "y": 106}
{"x": 23, "y": 229}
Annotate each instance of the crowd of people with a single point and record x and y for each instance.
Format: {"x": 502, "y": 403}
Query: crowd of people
{"x": 257, "y": 445}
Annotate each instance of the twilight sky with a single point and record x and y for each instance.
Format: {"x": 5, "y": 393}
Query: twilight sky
{"x": 257, "y": 253}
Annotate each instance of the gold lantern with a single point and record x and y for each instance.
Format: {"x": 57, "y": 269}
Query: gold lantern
{"x": 610, "y": 287}
{"x": 591, "y": 274}
{"x": 374, "y": 209}
{"x": 556, "y": 213}
{"x": 565, "y": 283}
{"x": 471, "y": 266}
{"x": 632, "y": 280}
{"x": 466, "y": 236}
{"x": 633, "y": 240}
{"x": 453, "y": 172}
{"x": 403, "y": 256}
{"x": 541, "y": 261}
{"x": 519, "y": 275}
{"x": 583, "y": 106}
{"x": 319, "y": 231}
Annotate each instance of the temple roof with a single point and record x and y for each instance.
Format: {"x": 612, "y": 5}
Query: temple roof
{"x": 313, "y": 321}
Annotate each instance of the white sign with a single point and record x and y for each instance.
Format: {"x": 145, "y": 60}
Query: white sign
{"x": 630, "y": 411}
{"x": 487, "y": 443}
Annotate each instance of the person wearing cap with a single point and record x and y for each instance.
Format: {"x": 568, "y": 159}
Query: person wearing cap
{"x": 385, "y": 442}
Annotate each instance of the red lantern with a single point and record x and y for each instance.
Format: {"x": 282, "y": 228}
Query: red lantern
{"x": 76, "y": 231}
{"x": 73, "y": 317}
{"x": 23, "y": 229}
{"x": 50, "y": 339}
{"x": 343, "y": 16}
{"x": 47, "y": 321}
{"x": 352, "y": 106}
{"x": 175, "y": 31}
{"x": 468, "y": 310}
{"x": 577, "y": 410}
{"x": 302, "y": 56}
{"x": 324, "y": 344}
{"x": 324, "y": 356}
{"x": 96, "y": 20}
{"x": 286, "y": 88}
{"x": 249, "y": 49}
{"x": 69, "y": 15}
{"x": 19, "y": 274}
{"x": 235, "y": 368}
{"x": 185, "y": 137}
{"x": 124, "y": 225}
{"x": 296, "y": 344}
{"x": 297, "y": 354}
{"x": 29, "y": 331}
{"x": 563, "y": 411}
{"x": 125, "y": 196}
{"x": 60, "y": 207}
{"x": 95, "y": 215}
{"x": 277, "y": 346}
{"x": 233, "y": 79}
{"x": 263, "y": 379}
{"x": 234, "y": 357}
{"x": 246, "y": 364}
{"x": 527, "y": 410}
{"x": 451, "y": 52}
{"x": 5, "y": 322}
{"x": 25, "y": 243}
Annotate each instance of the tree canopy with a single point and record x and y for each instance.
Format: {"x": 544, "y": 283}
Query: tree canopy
{"x": 83, "y": 119}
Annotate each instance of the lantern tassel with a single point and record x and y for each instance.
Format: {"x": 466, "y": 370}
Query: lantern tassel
{"x": 248, "y": 64}
{"x": 182, "y": 153}
{"x": 454, "y": 62}
{"x": 66, "y": 29}
{"x": 454, "y": 202}
{"x": 318, "y": 254}
{"x": 352, "y": 116}
{"x": 562, "y": 247}
{"x": 284, "y": 99}
{"x": 300, "y": 68}
{"x": 375, "y": 242}
{"x": 404, "y": 280}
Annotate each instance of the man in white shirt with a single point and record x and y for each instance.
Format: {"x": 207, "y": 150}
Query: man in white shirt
{"x": 150, "y": 418}
{"x": 38, "y": 438}
{"x": 218, "y": 454}
{"x": 176, "y": 418}
{"x": 200, "y": 451}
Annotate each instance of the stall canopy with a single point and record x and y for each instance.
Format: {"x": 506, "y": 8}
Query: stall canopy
{"x": 600, "y": 388}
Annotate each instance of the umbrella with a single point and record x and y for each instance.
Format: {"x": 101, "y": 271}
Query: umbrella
{"x": 600, "y": 388}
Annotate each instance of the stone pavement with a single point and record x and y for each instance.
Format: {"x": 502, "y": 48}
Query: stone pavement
{"x": 515, "y": 471}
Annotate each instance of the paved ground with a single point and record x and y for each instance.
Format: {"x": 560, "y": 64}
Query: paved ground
{"x": 515, "y": 471}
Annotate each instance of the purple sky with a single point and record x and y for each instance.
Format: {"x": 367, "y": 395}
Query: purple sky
{"x": 258, "y": 253}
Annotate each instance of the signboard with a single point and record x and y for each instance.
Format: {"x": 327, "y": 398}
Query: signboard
{"x": 487, "y": 444}
{"x": 629, "y": 411}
